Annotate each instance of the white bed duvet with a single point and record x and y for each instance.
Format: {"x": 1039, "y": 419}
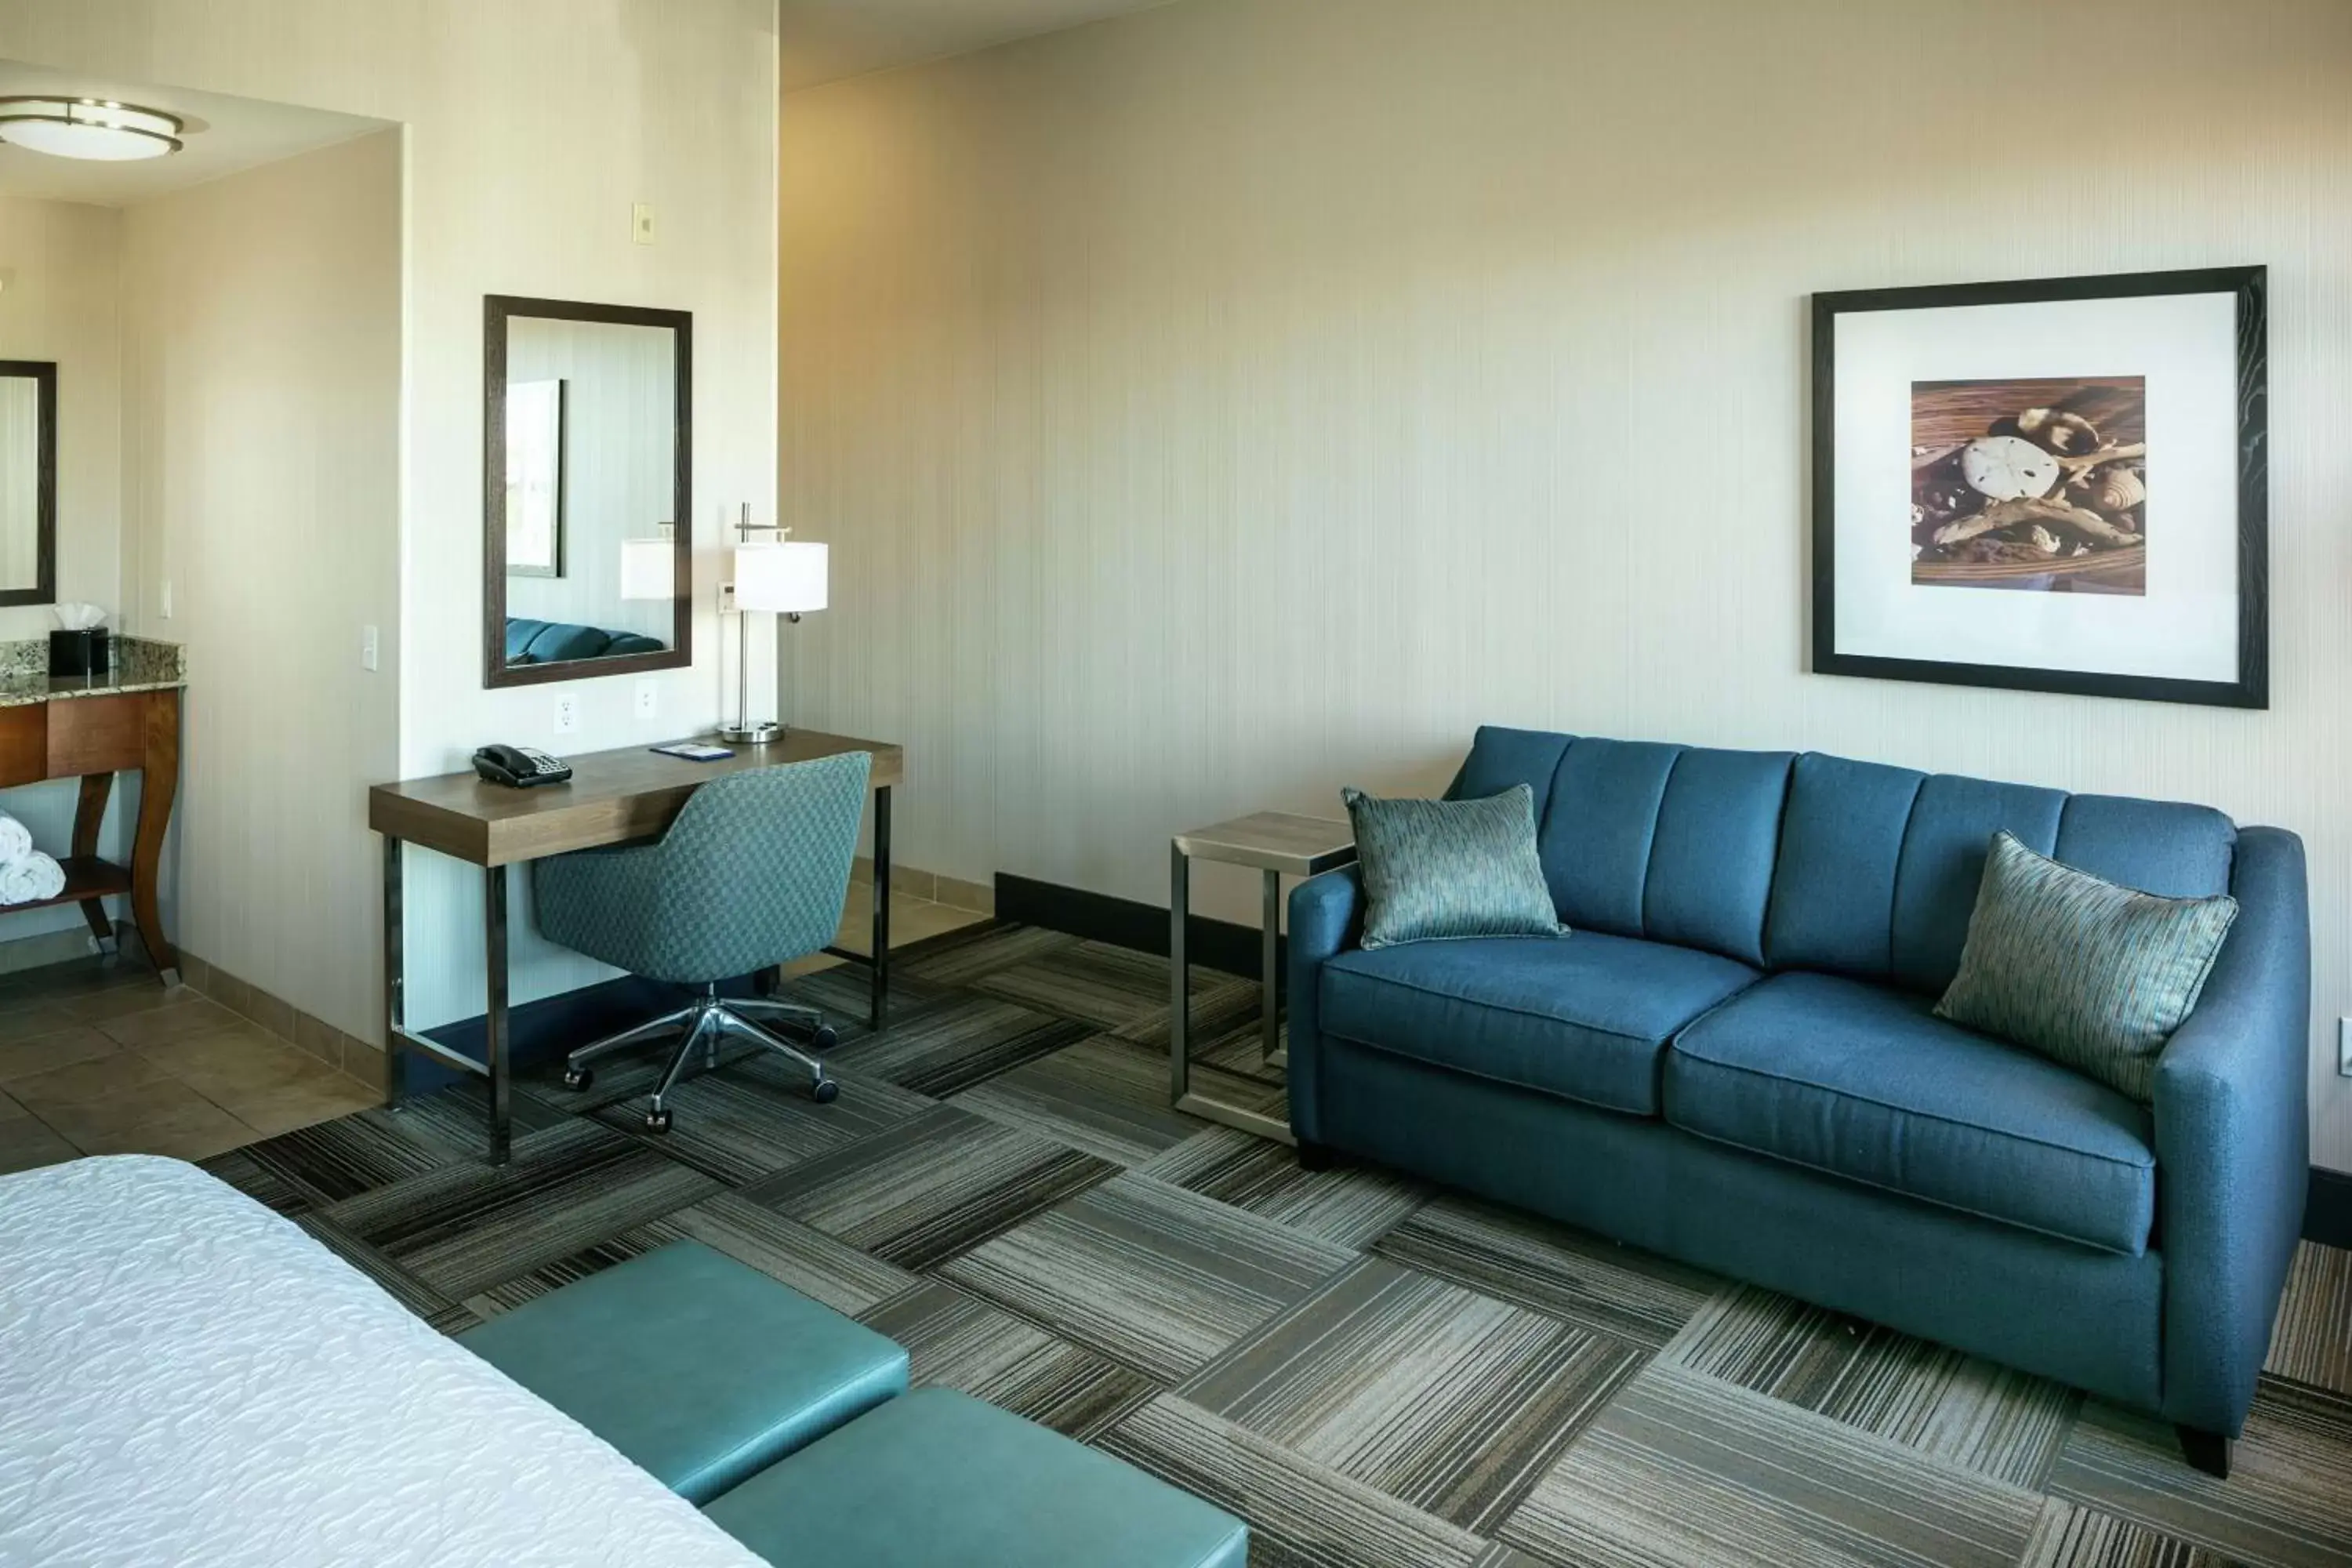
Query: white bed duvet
{"x": 187, "y": 1379}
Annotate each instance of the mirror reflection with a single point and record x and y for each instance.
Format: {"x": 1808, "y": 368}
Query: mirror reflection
{"x": 27, "y": 481}
{"x": 591, "y": 490}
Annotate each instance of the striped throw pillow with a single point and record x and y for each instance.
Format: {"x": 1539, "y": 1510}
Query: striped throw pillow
{"x": 1440, "y": 869}
{"x": 2093, "y": 976}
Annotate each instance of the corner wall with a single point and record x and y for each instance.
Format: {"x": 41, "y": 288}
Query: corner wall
{"x": 262, "y": 481}
{"x": 1219, "y": 405}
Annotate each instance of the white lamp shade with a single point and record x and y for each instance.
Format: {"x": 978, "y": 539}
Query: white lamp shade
{"x": 648, "y": 569}
{"x": 787, "y": 578}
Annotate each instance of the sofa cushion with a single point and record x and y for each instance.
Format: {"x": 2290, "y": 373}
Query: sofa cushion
{"x": 1951, "y": 827}
{"x": 519, "y": 631}
{"x": 1584, "y": 1018}
{"x": 561, "y": 642}
{"x": 1863, "y": 1082}
{"x": 1711, "y": 857}
{"x": 1500, "y": 758}
{"x": 1833, "y": 886}
{"x": 2158, "y": 846}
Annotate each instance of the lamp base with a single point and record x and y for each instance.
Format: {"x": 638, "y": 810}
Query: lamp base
{"x": 758, "y": 734}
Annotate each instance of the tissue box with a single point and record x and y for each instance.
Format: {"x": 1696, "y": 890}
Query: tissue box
{"x": 79, "y": 653}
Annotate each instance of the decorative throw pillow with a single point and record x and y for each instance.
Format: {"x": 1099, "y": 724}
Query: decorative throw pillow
{"x": 1438, "y": 869}
{"x": 2092, "y": 975}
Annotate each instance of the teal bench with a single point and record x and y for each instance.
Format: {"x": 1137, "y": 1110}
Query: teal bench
{"x": 707, "y": 1373}
{"x": 697, "y": 1368}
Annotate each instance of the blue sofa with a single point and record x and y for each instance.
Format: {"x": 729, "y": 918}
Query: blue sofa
{"x": 560, "y": 642}
{"x": 1734, "y": 1061}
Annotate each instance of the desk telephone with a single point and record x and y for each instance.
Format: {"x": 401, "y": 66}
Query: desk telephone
{"x": 521, "y": 767}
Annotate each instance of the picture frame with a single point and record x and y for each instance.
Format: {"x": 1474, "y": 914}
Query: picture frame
{"x": 2046, "y": 484}
{"x": 536, "y": 433}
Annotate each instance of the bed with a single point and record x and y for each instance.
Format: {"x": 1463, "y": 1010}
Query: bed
{"x": 187, "y": 1378}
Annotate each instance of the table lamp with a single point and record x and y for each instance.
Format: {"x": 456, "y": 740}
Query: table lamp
{"x": 784, "y": 578}
{"x": 649, "y": 567}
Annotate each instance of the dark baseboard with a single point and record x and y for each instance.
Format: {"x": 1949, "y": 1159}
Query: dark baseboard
{"x": 1126, "y": 923}
{"x": 2327, "y": 1213}
{"x": 541, "y": 1031}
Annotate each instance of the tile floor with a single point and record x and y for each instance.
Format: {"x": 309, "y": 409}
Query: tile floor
{"x": 98, "y": 1059}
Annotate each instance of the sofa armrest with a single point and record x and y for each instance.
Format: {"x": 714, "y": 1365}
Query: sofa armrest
{"x": 2232, "y": 1142}
{"x": 1327, "y": 914}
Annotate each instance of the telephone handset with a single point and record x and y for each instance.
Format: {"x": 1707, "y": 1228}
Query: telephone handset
{"x": 521, "y": 767}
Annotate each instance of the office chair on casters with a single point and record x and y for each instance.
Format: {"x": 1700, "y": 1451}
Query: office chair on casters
{"x": 751, "y": 874}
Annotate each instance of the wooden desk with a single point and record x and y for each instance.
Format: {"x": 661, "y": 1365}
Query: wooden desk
{"x": 92, "y": 737}
{"x": 613, "y": 797}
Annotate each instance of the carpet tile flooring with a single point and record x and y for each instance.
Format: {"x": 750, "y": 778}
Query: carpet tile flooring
{"x": 1373, "y": 1373}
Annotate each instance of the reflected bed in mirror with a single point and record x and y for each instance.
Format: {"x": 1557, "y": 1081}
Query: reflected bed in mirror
{"x": 28, "y": 482}
{"x": 587, "y": 505}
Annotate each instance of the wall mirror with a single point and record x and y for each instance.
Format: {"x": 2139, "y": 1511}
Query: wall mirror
{"x": 28, "y": 482}
{"x": 587, "y": 504}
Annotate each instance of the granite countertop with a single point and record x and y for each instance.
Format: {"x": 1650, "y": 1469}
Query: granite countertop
{"x": 140, "y": 664}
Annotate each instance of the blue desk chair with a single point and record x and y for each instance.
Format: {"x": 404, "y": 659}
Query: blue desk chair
{"x": 753, "y": 874}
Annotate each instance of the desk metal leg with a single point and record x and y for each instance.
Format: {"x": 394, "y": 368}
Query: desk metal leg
{"x": 880, "y": 1007}
{"x": 494, "y": 1027}
{"x": 395, "y": 1072}
{"x": 1180, "y": 988}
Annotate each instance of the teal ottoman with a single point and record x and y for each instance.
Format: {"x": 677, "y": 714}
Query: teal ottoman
{"x": 938, "y": 1477}
{"x": 697, "y": 1368}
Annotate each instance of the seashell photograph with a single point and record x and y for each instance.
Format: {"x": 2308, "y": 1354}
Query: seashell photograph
{"x": 2035, "y": 485}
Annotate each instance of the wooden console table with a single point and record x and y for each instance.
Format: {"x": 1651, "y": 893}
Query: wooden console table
{"x": 92, "y": 729}
{"x": 613, "y": 797}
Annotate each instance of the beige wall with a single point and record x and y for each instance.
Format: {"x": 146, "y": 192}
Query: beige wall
{"x": 62, "y": 262}
{"x": 262, "y": 481}
{"x": 531, "y": 126}
{"x": 1219, "y": 405}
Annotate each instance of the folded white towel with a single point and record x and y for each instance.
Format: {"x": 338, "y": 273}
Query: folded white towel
{"x": 16, "y": 840}
{"x": 30, "y": 880}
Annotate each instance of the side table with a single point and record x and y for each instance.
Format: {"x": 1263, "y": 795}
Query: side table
{"x": 1278, "y": 844}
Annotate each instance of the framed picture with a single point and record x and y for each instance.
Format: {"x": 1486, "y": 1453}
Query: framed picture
{"x": 2049, "y": 486}
{"x": 535, "y": 438}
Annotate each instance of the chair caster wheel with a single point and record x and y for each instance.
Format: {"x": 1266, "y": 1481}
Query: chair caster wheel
{"x": 578, "y": 1079}
{"x": 825, "y": 1039}
{"x": 825, "y": 1091}
{"x": 658, "y": 1121}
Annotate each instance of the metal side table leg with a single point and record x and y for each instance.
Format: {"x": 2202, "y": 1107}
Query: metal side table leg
{"x": 1269, "y": 1026}
{"x": 1179, "y": 998}
{"x": 494, "y": 1015}
{"x": 878, "y": 1009}
{"x": 395, "y": 1057}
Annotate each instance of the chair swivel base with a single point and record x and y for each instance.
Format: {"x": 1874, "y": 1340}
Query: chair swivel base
{"x": 702, "y": 1023}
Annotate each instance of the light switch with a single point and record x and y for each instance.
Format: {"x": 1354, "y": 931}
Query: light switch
{"x": 641, "y": 223}
{"x": 164, "y": 604}
{"x": 367, "y": 647}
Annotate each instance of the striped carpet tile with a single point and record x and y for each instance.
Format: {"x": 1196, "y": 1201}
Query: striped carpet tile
{"x": 447, "y": 1316}
{"x": 1453, "y": 1401}
{"x": 1348, "y": 1207}
{"x": 2312, "y": 1341}
{"x": 2288, "y": 1501}
{"x": 1682, "y": 1468}
{"x": 1572, "y": 1275}
{"x": 924, "y": 1190}
{"x": 959, "y": 957}
{"x": 2067, "y": 1536}
{"x": 1222, "y": 1006}
{"x": 2001, "y": 1422}
{"x": 958, "y": 1042}
{"x": 1301, "y": 1514}
{"x": 756, "y": 1117}
{"x": 1099, "y": 1097}
{"x": 959, "y": 1342}
{"x": 1107, "y": 986}
{"x": 810, "y": 1262}
{"x": 465, "y": 1229}
{"x": 1159, "y": 1278}
{"x": 594, "y": 1258}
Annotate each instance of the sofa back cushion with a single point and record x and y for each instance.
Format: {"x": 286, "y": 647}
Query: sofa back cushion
{"x": 1671, "y": 843}
{"x": 1812, "y": 861}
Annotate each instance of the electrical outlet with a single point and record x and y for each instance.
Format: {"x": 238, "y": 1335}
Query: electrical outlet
{"x": 641, "y": 223}
{"x": 367, "y": 647}
{"x": 648, "y": 697}
{"x": 567, "y": 714}
{"x": 2343, "y": 1047}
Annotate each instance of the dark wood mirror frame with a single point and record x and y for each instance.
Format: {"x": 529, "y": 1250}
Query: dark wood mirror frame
{"x": 496, "y": 309}
{"x": 43, "y": 374}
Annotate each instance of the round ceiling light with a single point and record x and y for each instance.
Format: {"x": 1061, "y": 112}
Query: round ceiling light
{"x": 88, "y": 128}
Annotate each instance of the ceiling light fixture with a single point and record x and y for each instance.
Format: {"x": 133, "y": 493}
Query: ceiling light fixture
{"x": 88, "y": 128}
